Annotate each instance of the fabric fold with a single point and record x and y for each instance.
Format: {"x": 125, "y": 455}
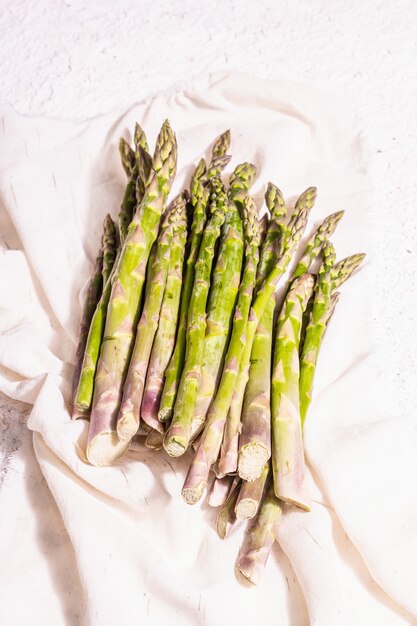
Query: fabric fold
{"x": 140, "y": 552}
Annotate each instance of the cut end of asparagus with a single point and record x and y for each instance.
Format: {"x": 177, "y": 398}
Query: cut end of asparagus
{"x": 165, "y": 415}
{"x": 154, "y": 440}
{"x": 127, "y": 426}
{"x": 174, "y": 447}
{"x": 192, "y": 495}
{"x": 80, "y": 413}
{"x": 246, "y": 509}
{"x": 252, "y": 459}
{"x": 106, "y": 448}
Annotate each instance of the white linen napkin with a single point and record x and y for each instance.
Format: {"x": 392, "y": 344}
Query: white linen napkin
{"x": 136, "y": 550}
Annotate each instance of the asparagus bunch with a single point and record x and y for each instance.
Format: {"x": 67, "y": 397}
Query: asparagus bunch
{"x": 170, "y": 238}
{"x": 264, "y": 531}
{"x": 179, "y": 434}
{"x": 199, "y": 199}
{"x": 179, "y": 339}
{"x": 104, "y": 446}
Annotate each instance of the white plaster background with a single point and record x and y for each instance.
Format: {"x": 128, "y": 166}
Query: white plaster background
{"x": 74, "y": 59}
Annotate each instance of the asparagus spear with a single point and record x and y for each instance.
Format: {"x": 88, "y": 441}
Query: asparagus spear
{"x": 254, "y": 446}
{"x": 220, "y": 490}
{"x": 260, "y": 538}
{"x": 207, "y": 450}
{"x": 227, "y": 517}
{"x": 287, "y": 447}
{"x": 243, "y": 331}
{"x": 163, "y": 344}
{"x": 98, "y": 282}
{"x": 85, "y": 386}
{"x": 255, "y": 437}
{"x": 250, "y": 495}
{"x": 177, "y": 438}
{"x": 129, "y": 413}
{"x": 199, "y": 199}
{"x": 325, "y": 299}
{"x": 93, "y": 296}
{"x": 103, "y": 444}
{"x": 223, "y": 292}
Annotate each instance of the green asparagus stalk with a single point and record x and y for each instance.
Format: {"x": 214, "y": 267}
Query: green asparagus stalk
{"x": 258, "y": 376}
{"x": 330, "y": 277}
{"x": 250, "y": 495}
{"x": 223, "y": 292}
{"x": 207, "y": 450}
{"x": 260, "y": 538}
{"x": 199, "y": 199}
{"x": 287, "y": 446}
{"x": 123, "y": 309}
{"x": 243, "y": 331}
{"x": 163, "y": 344}
{"x": 227, "y": 517}
{"x": 129, "y": 413}
{"x": 85, "y": 386}
{"x": 93, "y": 296}
{"x": 178, "y": 436}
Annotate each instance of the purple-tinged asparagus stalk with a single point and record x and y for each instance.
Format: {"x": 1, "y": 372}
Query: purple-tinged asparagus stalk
{"x": 252, "y": 393}
{"x": 287, "y": 444}
{"x": 260, "y": 538}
